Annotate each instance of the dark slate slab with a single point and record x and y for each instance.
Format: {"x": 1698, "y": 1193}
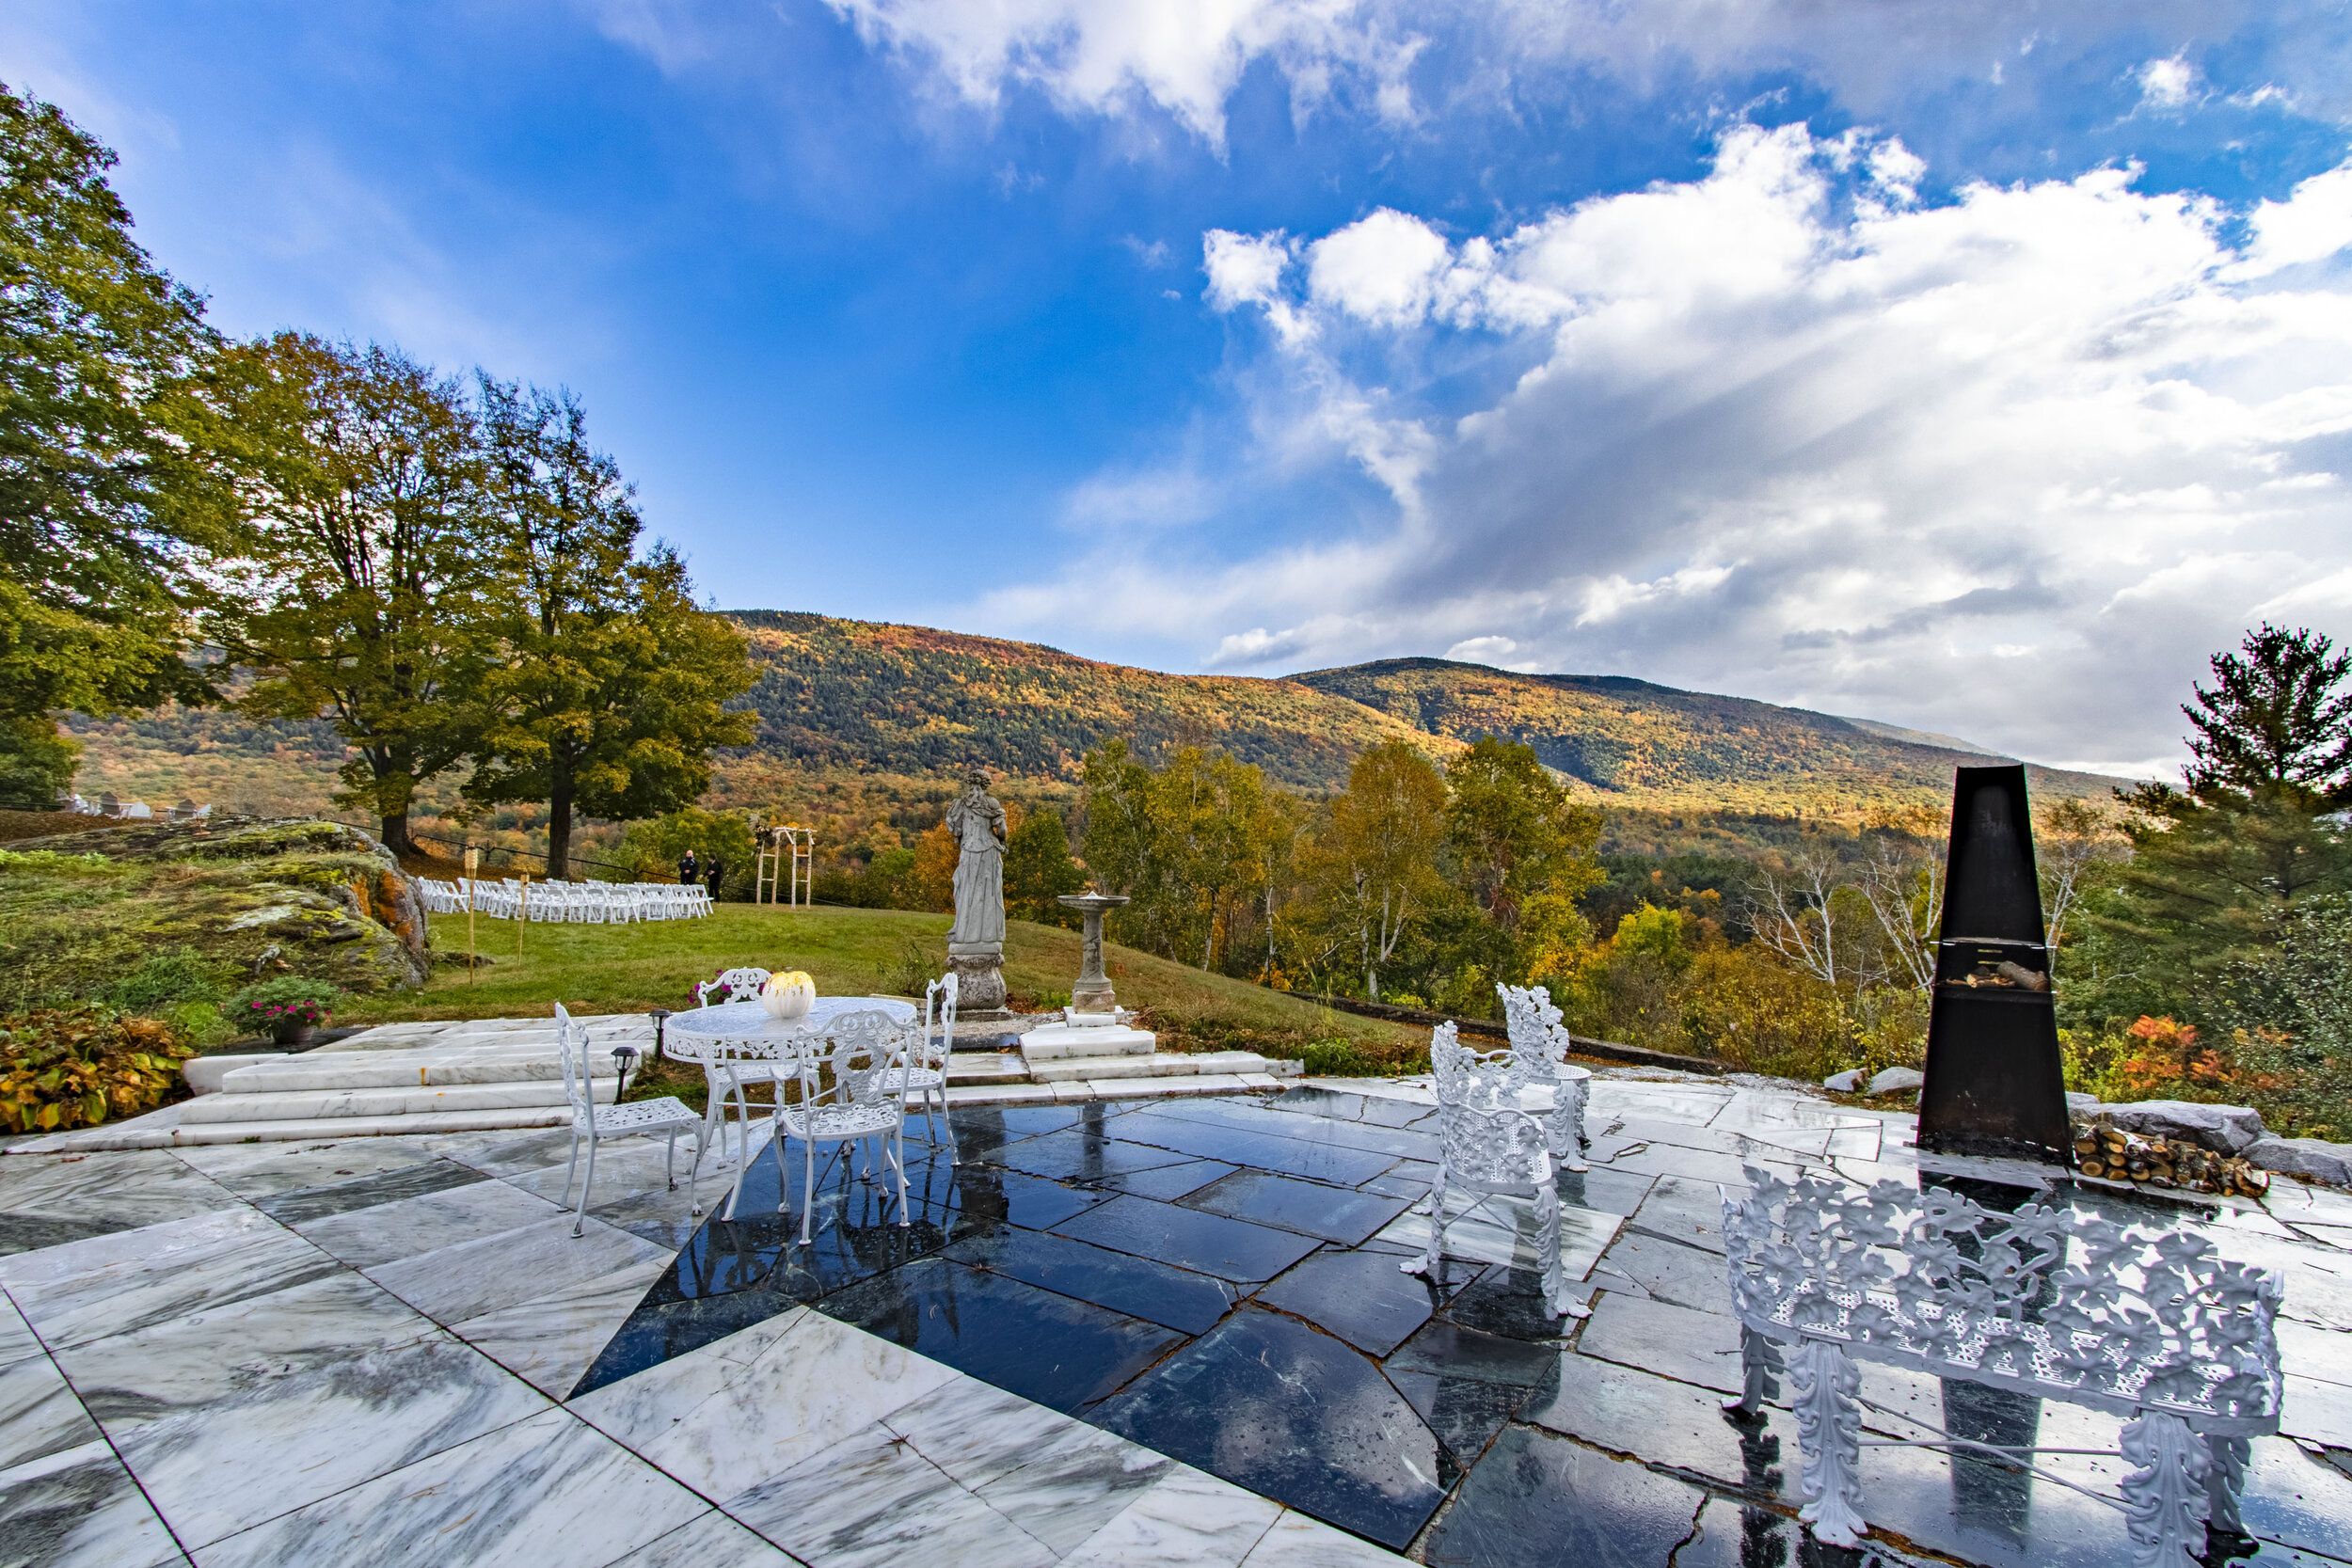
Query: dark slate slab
{"x": 1458, "y": 1352}
{"x": 1510, "y": 1303}
{"x": 1380, "y": 1109}
{"x": 1042, "y": 1346}
{"x": 1539, "y": 1499}
{"x": 1602, "y": 1189}
{"x": 1176, "y": 1298}
{"x": 989, "y": 1199}
{"x": 1205, "y": 1243}
{"x": 1364, "y": 1297}
{"x": 1236, "y": 1146}
{"x": 1077, "y": 1154}
{"x": 980, "y": 1130}
{"x": 657, "y": 1332}
{"x": 1242, "y": 1115}
{"x": 1168, "y": 1182}
{"x": 340, "y": 1198}
{"x": 1306, "y": 1207}
{"x": 1628, "y": 1411}
{"x": 1464, "y": 1412}
{"x": 1272, "y": 1405}
{"x": 1657, "y": 1336}
{"x": 1685, "y": 1276}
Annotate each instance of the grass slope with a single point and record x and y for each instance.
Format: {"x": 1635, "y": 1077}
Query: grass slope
{"x": 616, "y": 969}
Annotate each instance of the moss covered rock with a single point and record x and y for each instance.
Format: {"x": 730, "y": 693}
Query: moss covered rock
{"x": 254, "y": 898}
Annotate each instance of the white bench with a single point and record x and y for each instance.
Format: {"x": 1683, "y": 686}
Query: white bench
{"x": 2053, "y": 1302}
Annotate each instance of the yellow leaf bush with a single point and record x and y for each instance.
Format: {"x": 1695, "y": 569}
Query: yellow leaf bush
{"x": 77, "y": 1068}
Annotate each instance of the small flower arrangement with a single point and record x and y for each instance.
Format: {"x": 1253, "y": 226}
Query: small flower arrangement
{"x": 284, "y": 1004}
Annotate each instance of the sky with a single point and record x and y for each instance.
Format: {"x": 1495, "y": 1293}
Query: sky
{"x": 1978, "y": 368}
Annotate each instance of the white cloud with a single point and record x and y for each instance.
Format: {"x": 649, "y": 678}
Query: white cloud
{"x": 1483, "y": 650}
{"x": 2166, "y": 84}
{"x": 2008, "y": 467}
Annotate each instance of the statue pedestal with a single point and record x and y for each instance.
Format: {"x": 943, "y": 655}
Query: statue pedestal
{"x": 979, "y": 968}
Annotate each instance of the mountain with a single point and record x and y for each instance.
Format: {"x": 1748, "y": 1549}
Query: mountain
{"x": 876, "y": 717}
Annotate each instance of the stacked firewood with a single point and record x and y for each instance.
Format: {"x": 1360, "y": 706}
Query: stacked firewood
{"x": 2101, "y": 1148}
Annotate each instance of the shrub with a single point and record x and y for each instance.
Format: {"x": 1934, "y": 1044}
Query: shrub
{"x": 79, "y": 1066}
{"x": 174, "y": 975}
{"x": 289, "y": 998}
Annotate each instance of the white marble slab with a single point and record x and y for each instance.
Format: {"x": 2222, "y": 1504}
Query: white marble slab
{"x": 869, "y": 1500}
{"x": 1184, "y": 1520}
{"x": 115, "y": 1283}
{"x": 131, "y": 1187}
{"x": 16, "y": 1335}
{"x": 551, "y": 1340}
{"x": 366, "y": 1238}
{"x": 1757, "y": 1111}
{"x": 544, "y": 1492}
{"x": 638, "y": 1409}
{"x": 1056, "y": 1478}
{"x": 288, "y": 1441}
{"x": 1298, "y": 1542}
{"x": 1696, "y": 1104}
{"x": 38, "y": 1413}
{"x": 813, "y": 1384}
{"x": 505, "y": 1153}
{"x": 186, "y": 1363}
{"x": 79, "y": 1508}
{"x": 259, "y": 1170}
{"x": 713, "y": 1541}
{"x": 456, "y": 1284}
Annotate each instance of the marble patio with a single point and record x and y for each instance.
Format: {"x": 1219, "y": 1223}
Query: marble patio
{"x": 1166, "y": 1331}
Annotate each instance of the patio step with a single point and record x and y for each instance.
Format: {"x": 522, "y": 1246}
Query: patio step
{"x": 974, "y": 1066}
{"x": 1157, "y": 1065}
{"x": 328, "y": 1103}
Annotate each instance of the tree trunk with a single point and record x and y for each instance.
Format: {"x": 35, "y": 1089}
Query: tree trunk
{"x": 395, "y": 835}
{"x": 560, "y": 821}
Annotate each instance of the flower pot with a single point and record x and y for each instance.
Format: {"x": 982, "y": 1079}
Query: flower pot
{"x": 290, "y": 1032}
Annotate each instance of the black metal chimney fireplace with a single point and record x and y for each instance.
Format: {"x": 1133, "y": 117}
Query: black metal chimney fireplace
{"x": 1995, "y": 1085}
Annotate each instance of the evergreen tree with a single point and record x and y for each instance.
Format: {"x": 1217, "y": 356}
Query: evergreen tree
{"x": 97, "y": 531}
{"x": 2275, "y": 718}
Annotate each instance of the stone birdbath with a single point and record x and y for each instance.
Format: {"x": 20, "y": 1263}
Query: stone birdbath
{"x": 1092, "y": 992}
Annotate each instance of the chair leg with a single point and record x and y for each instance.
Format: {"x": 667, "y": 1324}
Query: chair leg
{"x": 808, "y": 1184}
{"x": 572, "y": 1169}
{"x": 694, "y": 1175}
{"x": 1427, "y": 1263}
{"x": 955, "y": 1155}
{"x": 900, "y": 1138}
{"x": 1556, "y": 1281}
{"x": 669, "y": 1159}
{"x": 580, "y": 1221}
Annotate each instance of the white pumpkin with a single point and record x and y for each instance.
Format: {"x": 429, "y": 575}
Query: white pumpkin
{"x": 789, "y": 995}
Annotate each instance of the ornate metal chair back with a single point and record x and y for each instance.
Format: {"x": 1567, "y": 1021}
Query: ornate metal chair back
{"x": 571, "y": 1048}
{"x": 742, "y": 984}
{"x": 865, "y": 1046}
{"x": 939, "y": 1007}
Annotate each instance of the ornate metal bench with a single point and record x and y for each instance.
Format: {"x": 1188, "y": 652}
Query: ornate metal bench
{"x": 2046, "y": 1301}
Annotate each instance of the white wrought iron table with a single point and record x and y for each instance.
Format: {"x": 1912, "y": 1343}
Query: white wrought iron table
{"x": 722, "y": 1039}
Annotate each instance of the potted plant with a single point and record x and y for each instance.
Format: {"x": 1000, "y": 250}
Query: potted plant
{"x": 286, "y": 1009}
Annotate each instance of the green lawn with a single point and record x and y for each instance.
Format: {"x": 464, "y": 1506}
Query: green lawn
{"x": 612, "y": 968}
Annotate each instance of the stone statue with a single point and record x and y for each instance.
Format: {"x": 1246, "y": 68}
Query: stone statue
{"x": 978, "y": 823}
{"x": 975, "y": 942}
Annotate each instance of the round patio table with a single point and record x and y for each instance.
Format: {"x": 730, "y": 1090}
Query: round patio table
{"x": 726, "y": 1039}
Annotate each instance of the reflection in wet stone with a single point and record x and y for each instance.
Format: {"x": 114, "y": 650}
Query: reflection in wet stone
{"x": 1991, "y": 1494}
{"x": 1540, "y": 1500}
{"x": 1270, "y": 1405}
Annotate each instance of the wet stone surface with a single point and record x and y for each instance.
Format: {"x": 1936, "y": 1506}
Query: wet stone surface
{"x": 1211, "y": 1279}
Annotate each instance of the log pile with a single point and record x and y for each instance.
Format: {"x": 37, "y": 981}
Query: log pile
{"x": 2103, "y": 1149}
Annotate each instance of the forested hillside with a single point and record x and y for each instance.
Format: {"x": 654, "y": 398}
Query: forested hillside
{"x": 890, "y": 711}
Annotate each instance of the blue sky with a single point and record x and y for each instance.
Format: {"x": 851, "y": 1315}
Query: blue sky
{"x": 1976, "y": 367}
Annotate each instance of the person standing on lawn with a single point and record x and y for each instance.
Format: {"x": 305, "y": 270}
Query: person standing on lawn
{"x": 718, "y": 871}
{"x": 688, "y": 872}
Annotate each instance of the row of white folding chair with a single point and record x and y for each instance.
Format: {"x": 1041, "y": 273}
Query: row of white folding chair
{"x": 566, "y": 903}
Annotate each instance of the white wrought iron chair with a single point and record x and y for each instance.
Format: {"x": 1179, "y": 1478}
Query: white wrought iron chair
{"x": 727, "y": 1081}
{"x": 1539, "y": 1060}
{"x": 857, "y": 1106}
{"x": 596, "y": 1122}
{"x": 926, "y": 1072}
{"x": 1488, "y": 1147}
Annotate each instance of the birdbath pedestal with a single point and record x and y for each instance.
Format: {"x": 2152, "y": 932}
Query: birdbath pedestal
{"x": 1092, "y": 992}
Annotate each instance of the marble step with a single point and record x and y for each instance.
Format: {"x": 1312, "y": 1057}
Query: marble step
{"x": 1057, "y": 1043}
{"x": 163, "y": 1130}
{"x": 1158, "y": 1065}
{"x": 411, "y": 1100}
{"x": 1002, "y": 1066}
{"x": 395, "y": 1070}
{"x": 1075, "y": 1091}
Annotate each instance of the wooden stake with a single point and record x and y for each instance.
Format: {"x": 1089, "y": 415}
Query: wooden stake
{"x": 474, "y": 869}
{"x": 522, "y": 913}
